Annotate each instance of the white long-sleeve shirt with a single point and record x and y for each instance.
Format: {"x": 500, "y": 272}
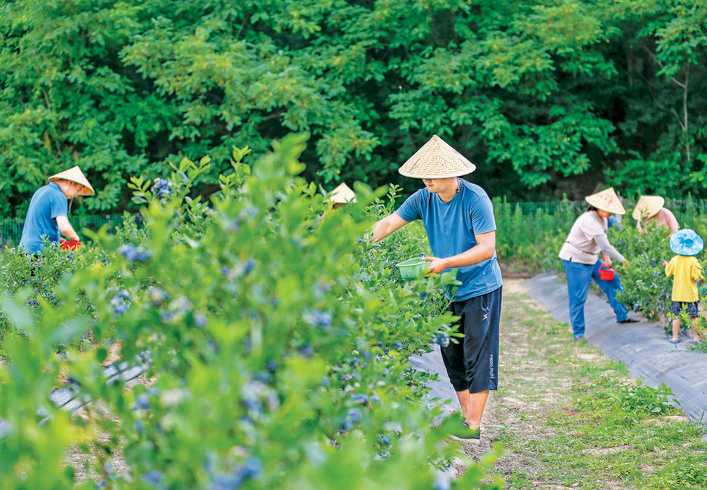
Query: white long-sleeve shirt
{"x": 587, "y": 239}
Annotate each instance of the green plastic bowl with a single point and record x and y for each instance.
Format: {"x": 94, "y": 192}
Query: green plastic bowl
{"x": 412, "y": 268}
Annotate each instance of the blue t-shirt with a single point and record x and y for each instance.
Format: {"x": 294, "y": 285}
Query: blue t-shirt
{"x": 452, "y": 228}
{"x": 47, "y": 203}
{"x": 614, "y": 221}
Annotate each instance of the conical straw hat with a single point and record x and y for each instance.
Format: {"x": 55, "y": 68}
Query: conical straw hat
{"x": 74, "y": 174}
{"x": 606, "y": 200}
{"x": 647, "y": 207}
{"x": 342, "y": 194}
{"x": 436, "y": 160}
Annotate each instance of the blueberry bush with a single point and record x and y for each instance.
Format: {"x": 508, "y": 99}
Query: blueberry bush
{"x": 279, "y": 341}
{"x": 529, "y": 235}
{"x": 646, "y": 287}
{"x": 37, "y": 277}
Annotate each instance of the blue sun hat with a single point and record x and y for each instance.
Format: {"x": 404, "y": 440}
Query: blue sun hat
{"x": 686, "y": 242}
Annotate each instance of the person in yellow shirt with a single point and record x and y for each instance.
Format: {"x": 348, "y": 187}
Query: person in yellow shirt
{"x": 686, "y": 271}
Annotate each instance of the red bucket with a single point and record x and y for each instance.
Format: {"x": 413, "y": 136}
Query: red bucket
{"x": 606, "y": 272}
{"x": 69, "y": 244}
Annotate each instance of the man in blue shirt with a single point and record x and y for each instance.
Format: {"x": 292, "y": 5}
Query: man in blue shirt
{"x": 47, "y": 213}
{"x": 461, "y": 229}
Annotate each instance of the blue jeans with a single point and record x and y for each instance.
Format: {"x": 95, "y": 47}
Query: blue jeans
{"x": 579, "y": 277}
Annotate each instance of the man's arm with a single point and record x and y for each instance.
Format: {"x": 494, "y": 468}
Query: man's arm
{"x": 387, "y": 225}
{"x": 65, "y": 228}
{"x": 483, "y": 250}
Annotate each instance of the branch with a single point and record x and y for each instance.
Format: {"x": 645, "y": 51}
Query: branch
{"x": 680, "y": 84}
{"x": 677, "y": 116}
{"x": 661, "y": 65}
{"x": 274, "y": 115}
{"x": 48, "y": 104}
{"x": 246, "y": 18}
{"x": 654, "y": 98}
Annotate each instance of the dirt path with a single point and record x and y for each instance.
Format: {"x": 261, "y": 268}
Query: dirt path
{"x": 568, "y": 417}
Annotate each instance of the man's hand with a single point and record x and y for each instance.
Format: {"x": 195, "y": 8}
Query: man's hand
{"x": 437, "y": 265}
{"x": 607, "y": 260}
{"x": 665, "y": 263}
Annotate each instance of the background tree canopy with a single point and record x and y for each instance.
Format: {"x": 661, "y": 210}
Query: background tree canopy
{"x": 546, "y": 97}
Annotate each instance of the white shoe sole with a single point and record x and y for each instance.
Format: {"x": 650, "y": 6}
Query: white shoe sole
{"x": 461, "y": 439}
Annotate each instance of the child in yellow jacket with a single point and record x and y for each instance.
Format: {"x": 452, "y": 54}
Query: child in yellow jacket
{"x": 686, "y": 271}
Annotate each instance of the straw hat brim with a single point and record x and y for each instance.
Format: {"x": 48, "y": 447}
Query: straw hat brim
{"x": 607, "y": 200}
{"x": 647, "y": 207}
{"x": 436, "y": 160}
{"x": 74, "y": 174}
{"x": 342, "y": 194}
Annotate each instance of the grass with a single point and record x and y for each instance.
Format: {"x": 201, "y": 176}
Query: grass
{"x": 700, "y": 346}
{"x": 567, "y": 416}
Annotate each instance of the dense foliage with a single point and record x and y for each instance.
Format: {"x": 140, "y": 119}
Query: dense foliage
{"x": 278, "y": 339}
{"x": 546, "y": 97}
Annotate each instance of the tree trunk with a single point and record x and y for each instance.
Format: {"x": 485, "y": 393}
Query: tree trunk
{"x": 685, "y": 125}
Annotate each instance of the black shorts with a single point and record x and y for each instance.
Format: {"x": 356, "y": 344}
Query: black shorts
{"x": 472, "y": 362}
{"x": 693, "y": 309}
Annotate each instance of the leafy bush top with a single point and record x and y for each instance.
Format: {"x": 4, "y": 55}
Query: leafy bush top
{"x": 278, "y": 339}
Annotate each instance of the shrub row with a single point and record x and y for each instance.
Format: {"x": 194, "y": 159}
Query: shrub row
{"x": 279, "y": 342}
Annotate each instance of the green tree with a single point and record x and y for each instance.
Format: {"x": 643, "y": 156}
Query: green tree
{"x": 546, "y": 97}
{"x": 664, "y": 97}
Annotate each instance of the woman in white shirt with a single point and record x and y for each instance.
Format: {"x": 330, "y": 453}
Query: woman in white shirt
{"x": 580, "y": 255}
